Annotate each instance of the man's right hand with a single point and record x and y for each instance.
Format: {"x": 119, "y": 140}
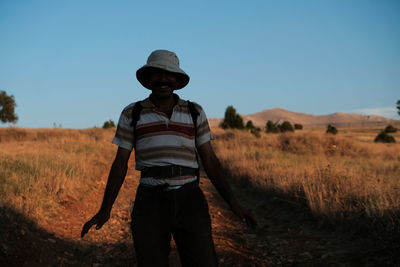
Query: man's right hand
{"x": 99, "y": 219}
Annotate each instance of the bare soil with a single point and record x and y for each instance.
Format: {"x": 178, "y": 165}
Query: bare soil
{"x": 287, "y": 236}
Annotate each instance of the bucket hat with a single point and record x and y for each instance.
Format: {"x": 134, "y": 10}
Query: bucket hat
{"x": 165, "y": 60}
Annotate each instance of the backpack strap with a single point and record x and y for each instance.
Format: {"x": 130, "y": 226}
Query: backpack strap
{"x": 137, "y": 108}
{"x": 195, "y": 113}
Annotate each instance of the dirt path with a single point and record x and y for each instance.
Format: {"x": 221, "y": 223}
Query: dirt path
{"x": 279, "y": 241}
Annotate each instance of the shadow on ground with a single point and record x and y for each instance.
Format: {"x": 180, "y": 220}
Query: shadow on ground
{"x": 289, "y": 235}
{"x": 357, "y": 240}
{"x": 24, "y": 243}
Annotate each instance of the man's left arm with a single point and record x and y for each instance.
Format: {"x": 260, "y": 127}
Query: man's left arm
{"x": 215, "y": 173}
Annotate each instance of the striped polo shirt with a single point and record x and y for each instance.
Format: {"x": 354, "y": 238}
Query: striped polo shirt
{"x": 161, "y": 141}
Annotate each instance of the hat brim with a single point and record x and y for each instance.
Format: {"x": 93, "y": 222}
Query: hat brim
{"x": 144, "y": 72}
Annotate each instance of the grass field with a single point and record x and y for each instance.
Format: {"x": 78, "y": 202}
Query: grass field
{"x": 39, "y": 169}
{"x": 342, "y": 178}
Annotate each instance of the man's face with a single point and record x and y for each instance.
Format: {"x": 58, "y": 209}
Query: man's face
{"x": 162, "y": 83}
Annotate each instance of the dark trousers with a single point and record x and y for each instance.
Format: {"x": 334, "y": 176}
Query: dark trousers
{"x": 183, "y": 213}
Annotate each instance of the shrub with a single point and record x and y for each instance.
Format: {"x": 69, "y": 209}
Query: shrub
{"x": 232, "y": 120}
{"x": 108, "y": 124}
{"x": 286, "y": 127}
{"x": 390, "y": 129}
{"x": 331, "y": 129}
{"x": 271, "y": 127}
{"x": 383, "y": 137}
{"x": 298, "y": 126}
{"x": 256, "y": 132}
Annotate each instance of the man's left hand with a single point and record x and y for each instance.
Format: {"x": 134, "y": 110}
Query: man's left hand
{"x": 245, "y": 215}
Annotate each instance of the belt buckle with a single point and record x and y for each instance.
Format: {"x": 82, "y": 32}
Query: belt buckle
{"x": 179, "y": 172}
{"x": 174, "y": 171}
{"x": 167, "y": 171}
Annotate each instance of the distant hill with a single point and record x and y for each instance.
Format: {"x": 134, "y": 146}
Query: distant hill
{"x": 338, "y": 119}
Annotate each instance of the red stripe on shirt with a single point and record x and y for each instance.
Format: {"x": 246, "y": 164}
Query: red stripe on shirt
{"x": 172, "y": 129}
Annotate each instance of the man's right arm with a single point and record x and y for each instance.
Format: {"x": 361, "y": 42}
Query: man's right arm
{"x": 114, "y": 183}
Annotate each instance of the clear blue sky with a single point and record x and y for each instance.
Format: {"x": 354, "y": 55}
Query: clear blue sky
{"x": 74, "y": 62}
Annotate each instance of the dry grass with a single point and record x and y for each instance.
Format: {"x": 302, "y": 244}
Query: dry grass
{"x": 39, "y": 169}
{"x": 340, "y": 178}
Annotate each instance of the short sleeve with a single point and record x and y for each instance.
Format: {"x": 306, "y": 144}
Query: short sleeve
{"x": 124, "y": 134}
{"x": 204, "y": 134}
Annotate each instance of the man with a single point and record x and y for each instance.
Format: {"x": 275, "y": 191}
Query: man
{"x": 167, "y": 144}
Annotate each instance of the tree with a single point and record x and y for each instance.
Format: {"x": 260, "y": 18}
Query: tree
{"x": 271, "y": 127}
{"x": 7, "y": 108}
{"x": 108, "y": 124}
{"x": 250, "y": 125}
{"x": 286, "y": 127}
{"x": 232, "y": 119}
{"x": 398, "y": 107}
{"x": 331, "y": 129}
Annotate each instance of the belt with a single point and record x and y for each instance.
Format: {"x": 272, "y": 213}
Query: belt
{"x": 167, "y": 171}
{"x": 164, "y": 187}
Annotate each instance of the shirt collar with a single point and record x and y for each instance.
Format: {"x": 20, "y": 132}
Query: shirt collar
{"x": 148, "y": 104}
